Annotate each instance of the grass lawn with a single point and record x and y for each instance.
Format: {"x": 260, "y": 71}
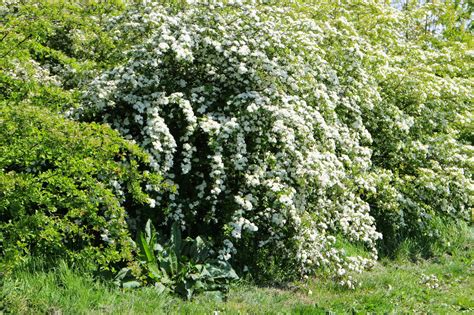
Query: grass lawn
{"x": 442, "y": 285}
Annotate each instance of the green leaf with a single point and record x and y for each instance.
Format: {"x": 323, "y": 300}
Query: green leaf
{"x": 175, "y": 240}
{"x": 146, "y": 252}
{"x": 154, "y": 271}
{"x": 150, "y": 232}
{"x": 222, "y": 270}
{"x": 121, "y": 275}
{"x": 131, "y": 284}
{"x": 160, "y": 288}
{"x": 173, "y": 261}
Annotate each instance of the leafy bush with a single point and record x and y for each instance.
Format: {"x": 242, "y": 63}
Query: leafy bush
{"x": 49, "y": 48}
{"x": 185, "y": 267}
{"x": 67, "y": 189}
{"x": 421, "y": 155}
{"x": 286, "y": 126}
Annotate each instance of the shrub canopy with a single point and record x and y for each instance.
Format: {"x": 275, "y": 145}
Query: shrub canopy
{"x": 286, "y": 127}
{"x": 64, "y": 187}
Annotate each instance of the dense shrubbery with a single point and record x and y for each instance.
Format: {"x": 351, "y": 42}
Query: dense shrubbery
{"x": 291, "y": 132}
{"x": 261, "y": 159}
{"x": 49, "y": 49}
{"x": 421, "y": 160}
{"x": 57, "y": 197}
{"x": 286, "y": 126}
{"x": 64, "y": 187}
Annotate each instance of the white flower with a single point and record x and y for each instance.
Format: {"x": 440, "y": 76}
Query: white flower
{"x": 151, "y": 202}
{"x": 163, "y": 46}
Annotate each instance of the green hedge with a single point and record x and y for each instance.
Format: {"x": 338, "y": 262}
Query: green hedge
{"x": 63, "y": 187}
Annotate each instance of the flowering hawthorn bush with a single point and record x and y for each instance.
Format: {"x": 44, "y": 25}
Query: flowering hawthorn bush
{"x": 238, "y": 110}
{"x": 283, "y": 128}
{"x": 422, "y": 152}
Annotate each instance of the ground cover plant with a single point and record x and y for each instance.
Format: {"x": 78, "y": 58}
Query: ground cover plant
{"x": 280, "y": 140}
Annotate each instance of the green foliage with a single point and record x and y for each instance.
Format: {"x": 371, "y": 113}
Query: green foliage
{"x": 421, "y": 125}
{"x": 185, "y": 267}
{"x": 66, "y": 188}
{"x": 421, "y": 158}
{"x": 49, "y": 48}
{"x": 75, "y": 29}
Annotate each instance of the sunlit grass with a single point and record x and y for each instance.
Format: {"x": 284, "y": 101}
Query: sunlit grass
{"x": 392, "y": 286}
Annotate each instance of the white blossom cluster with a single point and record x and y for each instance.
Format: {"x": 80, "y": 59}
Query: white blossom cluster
{"x": 422, "y": 166}
{"x": 256, "y": 115}
{"x": 431, "y": 281}
{"x": 33, "y": 71}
